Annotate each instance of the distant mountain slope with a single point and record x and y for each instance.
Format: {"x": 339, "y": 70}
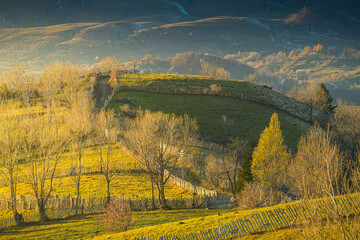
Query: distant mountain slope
{"x": 46, "y": 12}
{"x": 85, "y": 43}
{"x": 85, "y": 31}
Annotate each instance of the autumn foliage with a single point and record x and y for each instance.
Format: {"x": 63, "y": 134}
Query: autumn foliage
{"x": 270, "y": 156}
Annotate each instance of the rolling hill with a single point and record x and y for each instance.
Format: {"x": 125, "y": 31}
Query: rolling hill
{"x": 236, "y": 108}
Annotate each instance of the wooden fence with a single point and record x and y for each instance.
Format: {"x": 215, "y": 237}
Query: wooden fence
{"x": 189, "y": 186}
{"x": 65, "y": 172}
{"x": 59, "y": 207}
{"x": 273, "y": 219}
{"x": 55, "y": 202}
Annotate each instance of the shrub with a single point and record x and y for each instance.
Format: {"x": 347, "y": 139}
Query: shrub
{"x": 118, "y": 216}
{"x": 214, "y": 88}
{"x": 4, "y": 91}
{"x": 255, "y": 196}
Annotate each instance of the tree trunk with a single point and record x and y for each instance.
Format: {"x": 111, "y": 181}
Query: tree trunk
{"x": 159, "y": 195}
{"x": 18, "y": 218}
{"x": 78, "y": 184}
{"x": 152, "y": 194}
{"x": 77, "y": 196}
{"x": 232, "y": 186}
{"x": 42, "y": 212}
{"x": 162, "y": 196}
{"x": 108, "y": 193}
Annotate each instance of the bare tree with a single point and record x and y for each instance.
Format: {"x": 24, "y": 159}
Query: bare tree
{"x": 16, "y": 80}
{"x": 205, "y": 68}
{"x": 224, "y": 165}
{"x": 11, "y": 144}
{"x": 61, "y": 82}
{"x": 318, "y": 169}
{"x": 79, "y": 119}
{"x": 234, "y": 158}
{"x": 158, "y": 141}
{"x": 222, "y": 73}
{"x": 134, "y": 63}
{"x": 109, "y": 64}
{"x": 107, "y": 129}
{"x": 305, "y": 94}
{"x": 345, "y": 124}
{"x": 45, "y": 143}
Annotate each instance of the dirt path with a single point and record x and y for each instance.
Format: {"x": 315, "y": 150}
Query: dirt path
{"x": 102, "y": 91}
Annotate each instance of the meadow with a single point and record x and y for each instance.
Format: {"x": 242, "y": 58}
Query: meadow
{"x": 179, "y": 222}
{"x": 131, "y": 180}
{"x": 218, "y": 117}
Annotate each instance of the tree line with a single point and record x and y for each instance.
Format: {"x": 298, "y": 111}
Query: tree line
{"x": 47, "y": 115}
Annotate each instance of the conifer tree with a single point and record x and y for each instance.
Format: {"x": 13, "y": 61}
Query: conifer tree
{"x": 270, "y": 156}
{"x": 323, "y": 101}
{"x": 244, "y": 172}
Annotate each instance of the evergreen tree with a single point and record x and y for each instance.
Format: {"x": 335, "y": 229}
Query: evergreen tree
{"x": 270, "y": 156}
{"x": 244, "y": 172}
{"x": 323, "y": 99}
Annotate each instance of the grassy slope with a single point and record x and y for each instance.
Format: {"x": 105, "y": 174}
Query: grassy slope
{"x": 131, "y": 182}
{"x": 309, "y": 232}
{"x": 186, "y": 226}
{"x": 245, "y": 119}
{"x": 86, "y": 227}
{"x": 125, "y": 184}
{"x": 158, "y": 223}
{"x": 195, "y": 224}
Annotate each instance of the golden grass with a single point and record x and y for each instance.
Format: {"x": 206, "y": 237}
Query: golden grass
{"x": 86, "y": 227}
{"x": 203, "y": 223}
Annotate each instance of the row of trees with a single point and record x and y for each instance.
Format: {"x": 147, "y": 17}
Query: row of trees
{"x": 48, "y": 115}
{"x": 320, "y": 168}
{"x": 42, "y": 118}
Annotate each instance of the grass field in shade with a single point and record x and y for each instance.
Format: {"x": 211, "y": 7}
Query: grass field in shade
{"x": 244, "y": 119}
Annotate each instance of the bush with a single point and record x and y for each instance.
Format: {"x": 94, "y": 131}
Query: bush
{"x": 118, "y": 216}
{"x": 255, "y": 196}
{"x": 215, "y": 89}
{"x": 4, "y": 91}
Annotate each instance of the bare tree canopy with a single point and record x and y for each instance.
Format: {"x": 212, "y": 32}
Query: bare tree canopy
{"x": 11, "y": 151}
{"x": 318, "y": 168}
{"x": 107, "y": 129}
{"x": 345, "y": 123}
{"x": 158, "y": 140}
{"x": 46, "y": 140}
